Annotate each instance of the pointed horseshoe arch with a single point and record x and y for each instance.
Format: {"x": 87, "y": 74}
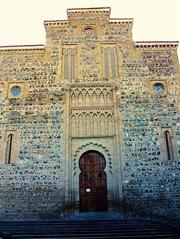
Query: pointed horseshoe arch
{"x": 92, "y": 182}
{"x": 107, "y": 176}
{"x": 92, "y": 146}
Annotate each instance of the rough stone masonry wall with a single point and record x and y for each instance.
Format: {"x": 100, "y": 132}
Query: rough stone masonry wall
{"x": 150, "y": 180}
{"x": 33, "y": 187}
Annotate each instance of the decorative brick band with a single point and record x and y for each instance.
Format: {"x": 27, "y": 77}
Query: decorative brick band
{"x": 93, "y": 9}
{"x": 23, "y": 47}
{"x": 140, "y": 44}
{"x": 55, "y": 22}
{"x": 121, "y": 20}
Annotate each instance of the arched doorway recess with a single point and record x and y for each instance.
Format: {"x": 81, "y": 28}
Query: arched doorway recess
{"x": 92, "y": 182}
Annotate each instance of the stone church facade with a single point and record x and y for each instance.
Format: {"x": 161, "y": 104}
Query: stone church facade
{"x": 89, "y": 122}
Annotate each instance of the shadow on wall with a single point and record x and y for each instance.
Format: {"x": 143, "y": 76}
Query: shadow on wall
{"x": 157, "y": 206}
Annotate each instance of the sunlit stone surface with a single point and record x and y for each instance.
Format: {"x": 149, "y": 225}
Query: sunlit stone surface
{"x": 89, "y": 88}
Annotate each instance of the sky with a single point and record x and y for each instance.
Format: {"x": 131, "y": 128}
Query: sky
{"x": 21, "y": 21}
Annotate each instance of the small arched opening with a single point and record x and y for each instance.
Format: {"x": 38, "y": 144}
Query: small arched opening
{"x": 169, "y": 146}
{"x": 9, "y": 148}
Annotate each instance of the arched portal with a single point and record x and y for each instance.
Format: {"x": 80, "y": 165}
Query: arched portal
{"x": 92, "y": 182}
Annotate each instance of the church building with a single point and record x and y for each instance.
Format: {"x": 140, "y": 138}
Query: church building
{"x": 89, "y": 122}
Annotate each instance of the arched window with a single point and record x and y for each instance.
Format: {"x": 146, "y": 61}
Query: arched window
{"x": 9, "y": 149}
{"x": 169, "y": 146}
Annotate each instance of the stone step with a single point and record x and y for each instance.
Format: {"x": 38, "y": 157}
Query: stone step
{"x": 105, "y": 236}
{"x": 68, "y": 229}
{"x": 87, "y": 229}
{"x": 78, "y": 223}
{"x": 96, "y": 216}
{"x": 77, "y": 230}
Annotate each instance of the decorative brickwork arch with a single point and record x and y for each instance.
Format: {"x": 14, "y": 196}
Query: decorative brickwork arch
{"x": 92, "y": 182}
{"x": 91, "y": 146}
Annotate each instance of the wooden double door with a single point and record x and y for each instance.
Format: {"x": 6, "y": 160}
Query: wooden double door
{"x": 93, "y": 182}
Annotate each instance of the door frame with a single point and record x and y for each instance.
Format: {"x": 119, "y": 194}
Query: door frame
{"x": 95, "y": 156}
{"x": 112, "y": 191}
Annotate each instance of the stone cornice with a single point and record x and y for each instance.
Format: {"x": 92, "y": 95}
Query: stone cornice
{"x": 121, "y": 20}
{"x": 56, "y": 22}
{"x": 80, "y": 12}
{"x": 29, "y": 48}
{"x": 101, "y": 83}
{"x": 99, "y": 107}
{"x": 64, "y": 23}
{"x": 93, "y": 10}
{"x": 148, "y": 44}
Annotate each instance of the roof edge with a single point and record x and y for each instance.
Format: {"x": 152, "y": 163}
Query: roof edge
{"x": 23, "y": 47}
{"x": 88, "y": 9}
{"x": 56, "y": 22}
{"x": 121, "y": 20}
{"x": 156, "y": 43}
